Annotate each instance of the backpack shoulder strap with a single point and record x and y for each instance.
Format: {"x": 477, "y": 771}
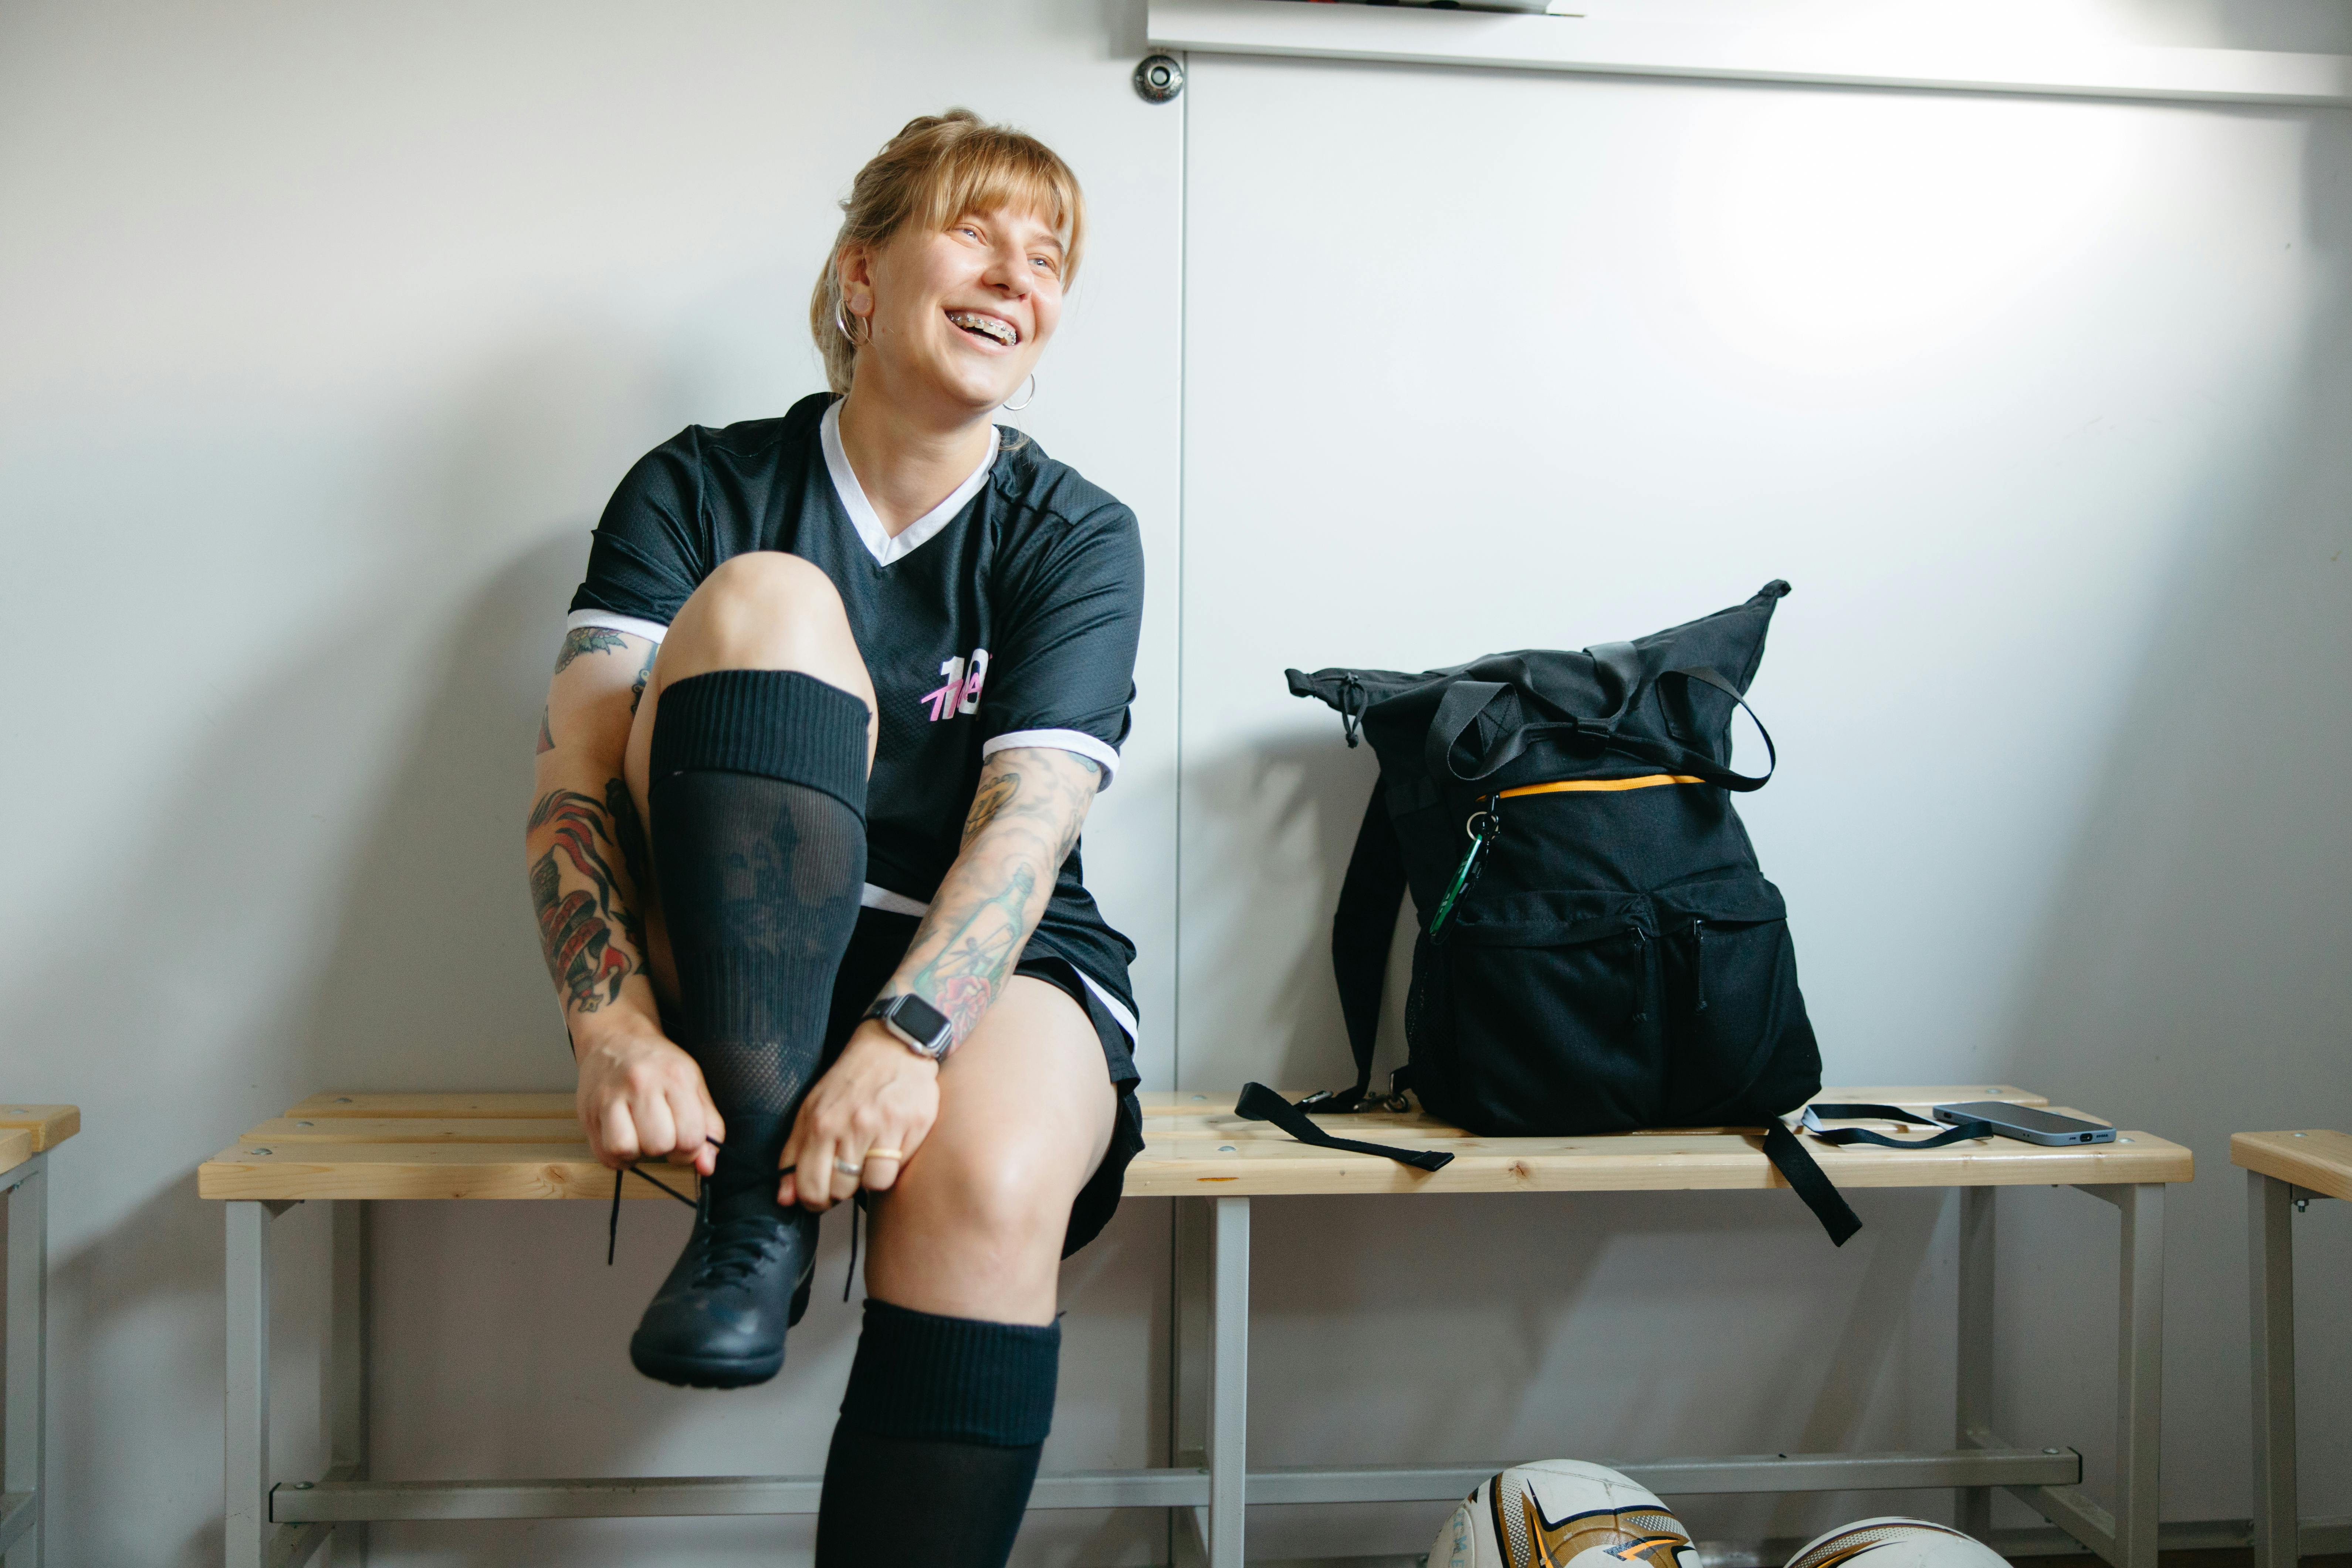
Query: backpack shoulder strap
{"x": 1360, "y": 932}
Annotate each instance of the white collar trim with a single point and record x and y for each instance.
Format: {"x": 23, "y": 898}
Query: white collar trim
{"x": 879, "y": 542}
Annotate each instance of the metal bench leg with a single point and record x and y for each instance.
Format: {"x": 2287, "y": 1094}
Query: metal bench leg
{"x": 2139, "y": 1333}
{"x": 245, "y": 1458}
{"x": 2271, "y": 1252}
{"x": 1973, "y": 1405}
{"x": 1229, "y": 1383}
{"x": 344, "y": 1389}
{"x": 23, "y": 1429}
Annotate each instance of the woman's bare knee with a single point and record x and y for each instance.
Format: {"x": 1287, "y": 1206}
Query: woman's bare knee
{"x": 765, "y": 610}
{"x": 973, "y": 1233}
{"x": 1007, "y": 1199}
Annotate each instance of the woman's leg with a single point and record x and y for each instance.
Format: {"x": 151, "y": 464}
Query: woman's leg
{"x": 952, "y": 1389}
{"x": 751, "y": 749}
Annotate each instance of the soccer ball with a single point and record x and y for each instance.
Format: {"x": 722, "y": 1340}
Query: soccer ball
{"x": 1562, "y": 1513}
{"x": 1896, "y": 1543}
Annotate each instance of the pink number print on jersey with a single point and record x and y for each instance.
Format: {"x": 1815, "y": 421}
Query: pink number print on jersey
{"x": 960, "y": 691}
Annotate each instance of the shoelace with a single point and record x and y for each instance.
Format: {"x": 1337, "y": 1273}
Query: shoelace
{"x": 736, "y": 1261}
{"x": 612, "y": 1226}
{"x": 735, "y": 1250}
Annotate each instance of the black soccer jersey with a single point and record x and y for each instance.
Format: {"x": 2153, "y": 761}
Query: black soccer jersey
{"x": 1006, "y": 616}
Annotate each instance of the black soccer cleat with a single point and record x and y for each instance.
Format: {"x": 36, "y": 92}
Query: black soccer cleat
{"x": 719, "y": 1321}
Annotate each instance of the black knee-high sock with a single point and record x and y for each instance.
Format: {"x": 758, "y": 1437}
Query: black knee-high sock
{"x": 758, "y": 792}
{"x": 937, "y": 1444}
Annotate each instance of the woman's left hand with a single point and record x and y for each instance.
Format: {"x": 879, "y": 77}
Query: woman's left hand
{"x": 879, "y": 1096}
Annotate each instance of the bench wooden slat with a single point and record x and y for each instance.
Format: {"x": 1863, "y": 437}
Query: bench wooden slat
{"x": 534, "y": 1105}
{"x": 557, "y": 1104}
{"x": 47, "y": 1125}
{"x": 1910, "y": 1097}
{"x": 1198, "y": 1166}
{"x": 417, "y": 1130}
{"x": 2314, "y": 1159}
{"x": 15, "y": 1148}
{"x": 398, "y": 1171}
{"x": 1413, "y": 1132}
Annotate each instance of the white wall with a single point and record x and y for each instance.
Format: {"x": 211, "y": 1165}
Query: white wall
{"x": 325, "y": 332}
{"x": 2042, "y": 407}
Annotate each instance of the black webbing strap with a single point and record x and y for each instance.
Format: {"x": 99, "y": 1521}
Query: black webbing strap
{"x": 1465, "y": 701}
{"x": 1840, "y": 1135}
{"x": 1787, "y": 1152}
{"x": 1361, "y": 927}
{"x": 1259, "y": 1103}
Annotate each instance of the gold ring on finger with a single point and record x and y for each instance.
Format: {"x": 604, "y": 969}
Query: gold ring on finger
{"x": 873, "y": 1154}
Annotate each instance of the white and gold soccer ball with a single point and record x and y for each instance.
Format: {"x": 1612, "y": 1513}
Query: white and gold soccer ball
{"x": 1896, "y": 1543}
{"x": 1562, "y": 1513}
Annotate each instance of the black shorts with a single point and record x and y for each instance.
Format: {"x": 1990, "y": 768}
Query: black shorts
{"x": 874, "y": 949}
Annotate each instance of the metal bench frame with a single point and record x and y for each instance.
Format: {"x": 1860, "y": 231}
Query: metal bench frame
{"x": 2278, "y": 1529}
{"x": 282, "y": 1524}
{"x": 22, "y": 1437}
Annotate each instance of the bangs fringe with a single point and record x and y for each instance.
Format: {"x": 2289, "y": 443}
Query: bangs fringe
{"x": 1000, "y": 169}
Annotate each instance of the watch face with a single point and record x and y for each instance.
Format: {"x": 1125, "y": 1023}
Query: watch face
{"x": 921, "y": 1021}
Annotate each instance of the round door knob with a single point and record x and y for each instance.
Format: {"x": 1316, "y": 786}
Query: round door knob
{"x": 1158, "y": 78}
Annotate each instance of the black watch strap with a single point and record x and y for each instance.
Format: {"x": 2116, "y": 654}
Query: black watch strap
{"x": 927, "y": 1031}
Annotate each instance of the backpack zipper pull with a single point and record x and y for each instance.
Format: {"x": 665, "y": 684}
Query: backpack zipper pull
{"x": 1698, "y": 966}
{"x": 1641, "y": 956}
{"x": 1485, "y": 827}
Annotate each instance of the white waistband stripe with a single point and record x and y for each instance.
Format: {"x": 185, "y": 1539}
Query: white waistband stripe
{"x": 883, "y": 898}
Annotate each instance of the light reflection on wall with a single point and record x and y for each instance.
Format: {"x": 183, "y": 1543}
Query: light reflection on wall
{"x": 1825, "y": 252}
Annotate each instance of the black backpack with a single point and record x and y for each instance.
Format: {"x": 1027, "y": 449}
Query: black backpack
{"x": 1598, "y": 951}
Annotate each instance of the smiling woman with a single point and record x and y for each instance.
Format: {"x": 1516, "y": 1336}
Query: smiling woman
{"x": 859, "y": 672}
{"x": 935, "y": 174}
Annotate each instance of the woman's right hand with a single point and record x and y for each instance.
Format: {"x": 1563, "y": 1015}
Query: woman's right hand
{"x": 641, "y": 1098}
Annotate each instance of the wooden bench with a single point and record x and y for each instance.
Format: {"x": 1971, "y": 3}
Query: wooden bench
{"x": 353, "y": 1149}
{"x": 2282, "y": 1169}
{"x": 27, "y": 1133}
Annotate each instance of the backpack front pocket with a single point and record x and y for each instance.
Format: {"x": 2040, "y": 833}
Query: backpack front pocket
{"x": 1738, "y": 1044}
{"x": 1538, "y": 1015}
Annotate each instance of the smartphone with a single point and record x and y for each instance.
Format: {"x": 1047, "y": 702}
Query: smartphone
{"x": 2029, "y": 1123}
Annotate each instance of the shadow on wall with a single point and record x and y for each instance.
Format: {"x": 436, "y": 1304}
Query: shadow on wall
{"x": 1311, "y": 790}
{"x": 434, "y": 980}
{"x": 326, "y": 888}
{"x": 193, "y": 988}
{"x": 2194, "y": 975}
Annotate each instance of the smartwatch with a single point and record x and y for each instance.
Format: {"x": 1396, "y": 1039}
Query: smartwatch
{"x": 926, "y": 1030}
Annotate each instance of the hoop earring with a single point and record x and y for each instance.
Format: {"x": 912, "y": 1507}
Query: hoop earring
{"x": 1017, "y": 408}
{"x": 842, "y": 326}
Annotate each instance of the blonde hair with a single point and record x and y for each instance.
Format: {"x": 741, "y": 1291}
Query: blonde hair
{"x": 938, "y": 168}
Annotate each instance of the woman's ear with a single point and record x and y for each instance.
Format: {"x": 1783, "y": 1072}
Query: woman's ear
{"x": 857, "y": 270}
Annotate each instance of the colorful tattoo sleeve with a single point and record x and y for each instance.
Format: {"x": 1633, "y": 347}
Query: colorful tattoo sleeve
{"x": 590, "y": 935}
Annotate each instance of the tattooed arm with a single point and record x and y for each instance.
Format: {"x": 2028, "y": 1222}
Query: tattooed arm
{"x": 1031, "y": 803}
{"x": 1023, "y": 820}
{"x": 640, "y": 1096}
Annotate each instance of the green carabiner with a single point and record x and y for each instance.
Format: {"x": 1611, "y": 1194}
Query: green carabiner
{"x": 1483, "y": 827}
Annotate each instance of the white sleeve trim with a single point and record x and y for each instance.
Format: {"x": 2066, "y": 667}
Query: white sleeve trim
{"x": 652, "y": 631}
{"x": 1097, "y": 751}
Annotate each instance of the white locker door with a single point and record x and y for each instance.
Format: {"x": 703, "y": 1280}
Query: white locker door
{"x": 1480, "y": 360}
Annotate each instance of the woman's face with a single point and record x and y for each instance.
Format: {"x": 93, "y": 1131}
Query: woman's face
{"x": 961, "y": 314}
